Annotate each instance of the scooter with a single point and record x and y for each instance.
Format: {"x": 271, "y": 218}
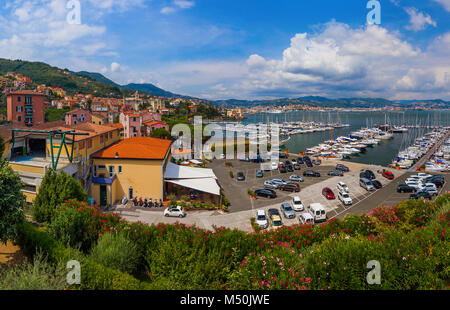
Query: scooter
{"x": 135, "y": 201}
{"x": 160, "y": 203}
{"x": 145, "y": 203}
{"x": 141, "y": 202}
{"x": 150, "y": 203}
{"x": 124, "y": 200}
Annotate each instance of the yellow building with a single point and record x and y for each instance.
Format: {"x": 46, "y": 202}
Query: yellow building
{"x": 133, "y": 167}
{"x": 31, "y": 156}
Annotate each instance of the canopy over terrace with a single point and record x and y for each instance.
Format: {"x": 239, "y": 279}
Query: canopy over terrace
{"x": 200, "y": 179}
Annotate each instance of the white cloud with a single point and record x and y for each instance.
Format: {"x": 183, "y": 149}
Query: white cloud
{"x": 177, "y": 5}
{"x": 445, "y": 3}
{"x": 115, "y": 67}
{"x": 418, "y": 20}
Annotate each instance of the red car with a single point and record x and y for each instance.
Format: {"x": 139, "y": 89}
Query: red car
{"x": 388, "y": 175}
{"x": 280, "y": 165}
{"x": 328, "y": 193}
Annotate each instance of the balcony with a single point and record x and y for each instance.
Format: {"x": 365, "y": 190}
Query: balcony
{"x": 97, "y": 180}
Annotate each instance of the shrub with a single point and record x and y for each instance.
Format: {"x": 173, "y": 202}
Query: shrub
{"x": 78, "y": 225}
{"x": 231, "y": 174}
{"x": 11, "y": 202}
{"x": 37, "y": 275}
{"x": 56, "y": 187}
{"x": 116, "y": 251}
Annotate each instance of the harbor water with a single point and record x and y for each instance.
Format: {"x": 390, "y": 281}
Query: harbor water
{"x": 381, "y": 154}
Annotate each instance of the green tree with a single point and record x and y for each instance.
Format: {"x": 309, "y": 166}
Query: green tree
{"x": 54, "y": 190}
{"x": 2, "y": 147}
{"x": 11, "y": 202}
{"x": 160, "y": 133}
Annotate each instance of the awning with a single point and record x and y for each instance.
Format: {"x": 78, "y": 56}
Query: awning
{"x": 181, "y": 172}
{"x": 207, "y": 185}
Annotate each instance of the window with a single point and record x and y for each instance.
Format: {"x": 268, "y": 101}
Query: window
{"x": 19, "y": 118}
{"x": 18, "y": 99}
{"x": 81, "y": 145}
{"x": 110, "y": 135}
{"x": 120, "y": 169}
{"x": 101, "y": 167}
{"x": 19, "y": 109}
{"x": 130, "y": 193}
{"x": 74, "y": 122}
{"x": 111, "y": 171}
{"x": 89, "y": 143}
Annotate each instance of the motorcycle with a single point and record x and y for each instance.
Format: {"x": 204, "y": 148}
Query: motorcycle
{"x": 150, "y": 203}
{"x": 135, "y": 202}
{"x": 145, "y": 203}
{"x": 141, "y": 202}
{"x": 124, "y": 200}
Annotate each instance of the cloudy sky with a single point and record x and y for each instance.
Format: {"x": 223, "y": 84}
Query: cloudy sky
{"x": 245, "y": 49}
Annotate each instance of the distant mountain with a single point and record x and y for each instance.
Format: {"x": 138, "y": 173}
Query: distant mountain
{"x": 99, "y": 77}
{"x": 151, "y": 90}
{"x": 333, "y": 103}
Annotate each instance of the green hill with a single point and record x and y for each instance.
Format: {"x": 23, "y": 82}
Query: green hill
{"x": 72, "y": 83}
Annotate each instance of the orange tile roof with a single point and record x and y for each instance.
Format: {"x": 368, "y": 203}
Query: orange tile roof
{"x": 25, "y": 92}
{"x": 136, "y": 148}
{"x": 115, "y": 125}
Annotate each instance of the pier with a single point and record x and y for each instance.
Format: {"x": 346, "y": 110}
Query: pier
{"x": 428, "y": 155}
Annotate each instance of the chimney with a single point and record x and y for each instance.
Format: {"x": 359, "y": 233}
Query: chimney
{"x": 117, "y": 155}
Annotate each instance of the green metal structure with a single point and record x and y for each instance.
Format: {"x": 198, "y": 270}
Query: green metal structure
{"x": 52, "y": 133}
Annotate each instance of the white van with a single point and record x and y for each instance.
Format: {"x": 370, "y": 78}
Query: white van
{"x": 367, "y": 184}
{"x": 318, "y": 212}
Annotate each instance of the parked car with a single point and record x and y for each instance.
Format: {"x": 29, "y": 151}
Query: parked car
{"x": 273, "y": 212}
{"x": 342, "y": 187}
{"x": 404, "y": 188}
{"x": 437, "y": 180}
{"x": 297, "y": 203}
{"x": 296, "y": 178}
{"x": 310, "y": 173}
{"x": 290, "y": 168}
{"x": 259, "y": 173}
{"x": 421, "y": 194}
{"x": 268, "y": 193}
{"x": 413, "y": 183}
{"x": 283, "y": 170}
{"x": 366, "y": 184}
{"x": 429, "y": 187}
{"x": 305, "y": 218}
{"x": 176, "y": 211}
{"x": 422, "y": 176}
{"x": 279, "y": 181}
{"x": 288, "y": 163}
{"x": 328, "y": 193}
{"x": 274, "y": 166}
{"x": 297, "y": 167}
{"x": 276, "y": 222}
{"x": 388, "y": 175}
{"x": 290, "y": 187}
{"x": 287, "y": 210}
{"x": 299, "y": 160}
{"x": 336, "y": 173}
{"x": 377, "y": 184}
{"x": 270, "y": 185}
{"x": 316, "y": 162}
{"x": 345, "y": 198}
{"x": 317, "y": 211}
{"x": 342, "y": 168}
{"x": 283, "y": 155}
{"x": 309, "y": 164}
{"x": 368, "y": 174}
{"x": 280, "y": 164}
{"x": 261, "y": 219}
{"x": 246, "y": 159}
{"x": 240, "y": 176}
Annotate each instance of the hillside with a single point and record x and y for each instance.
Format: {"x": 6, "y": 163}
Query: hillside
{"x": 72, "y": 83}
{"x": 152, "y": 90}
{"x": 333, "y": 103}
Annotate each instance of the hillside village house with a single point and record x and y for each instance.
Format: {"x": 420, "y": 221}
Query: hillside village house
{"x": 25, "y": 107}
{"x": 30, "y": 153}
{"x": 133, "y": 121}
{"x": 133, "y": 167}
{"x": 78, "y": 116}
{"x": 152, "y": 125}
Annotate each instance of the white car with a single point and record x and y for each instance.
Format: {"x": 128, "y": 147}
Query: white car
{"x": 305, "y": 218}
{"x": 271, "y": 185}
{"x": 421, "y": 176}
{"x": 429, "y": 187}
{"x": 261, "y": 219}
{"x": 296, "y": 178}
{"x": 297, "y": 204}
{"x": 343, "y": 188}
{"x": 413, "y": 183}
{"x": 175, "y": 211}
{"x": 274, "y": 166}
{"x": 345, "y": 198}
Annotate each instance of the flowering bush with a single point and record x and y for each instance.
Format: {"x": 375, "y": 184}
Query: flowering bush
{"x": 79, "y": 225}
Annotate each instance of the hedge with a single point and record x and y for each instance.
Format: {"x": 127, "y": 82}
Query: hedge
{"x": 94, "y": 276}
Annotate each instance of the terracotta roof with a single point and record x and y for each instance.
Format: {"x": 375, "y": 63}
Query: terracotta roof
{"x": 136, "y": 148}
{"x": 152, "y": 122}
{"x": 115, "y": 125}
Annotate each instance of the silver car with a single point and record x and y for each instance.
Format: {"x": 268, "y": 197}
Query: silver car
{"x": 279, "y": 181}
{"x": 270, "y": 185}
{"x": 296, "y": 178}
{"x": 287, "y": 210}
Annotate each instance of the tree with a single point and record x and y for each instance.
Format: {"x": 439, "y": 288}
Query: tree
{"x": 160, "y": 133}
{"x": 11, "y": 202}
{"x": 2, "y": 147}
{"x": 56, "y": 187}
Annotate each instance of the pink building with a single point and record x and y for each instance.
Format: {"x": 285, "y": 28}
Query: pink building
{"x": 133, "y": 121}
{"x": 78, "y": 116}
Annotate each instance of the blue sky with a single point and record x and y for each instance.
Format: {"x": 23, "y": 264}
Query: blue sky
{"x": 244, "y": 49}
